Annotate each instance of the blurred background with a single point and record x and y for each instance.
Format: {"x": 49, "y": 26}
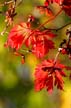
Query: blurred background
{"x": 16, "y": 79}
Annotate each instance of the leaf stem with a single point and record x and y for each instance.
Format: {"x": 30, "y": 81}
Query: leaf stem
{"x": 57, "y": 54}
{"x": 50, "y": 19}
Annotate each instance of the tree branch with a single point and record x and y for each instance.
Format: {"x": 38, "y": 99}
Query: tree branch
{"x": 58, "y": 28}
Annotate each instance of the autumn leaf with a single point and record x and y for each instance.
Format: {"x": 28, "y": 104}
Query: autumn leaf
{"x": 48, "y": 75}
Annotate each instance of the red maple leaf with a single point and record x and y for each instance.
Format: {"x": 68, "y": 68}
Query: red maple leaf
{"x": 58, "y": 1}
{"x": 47, "y": 2}
{"x": 41, "y": 47}
{"x": 37, "y": 41}
{"x": 48, "y": 75}
{"x": 40, "y": 42}
{"x": 18, "y": 35}
{"x": 45, "y": 8}
{"x": 66, "y": 5}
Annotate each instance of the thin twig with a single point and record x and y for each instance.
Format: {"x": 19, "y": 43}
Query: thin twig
{"x": 50, "y": 19}
{"x": 58, "y": 28}
{"x": 2, "y": 33}
{"x": 7, "y": 3}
